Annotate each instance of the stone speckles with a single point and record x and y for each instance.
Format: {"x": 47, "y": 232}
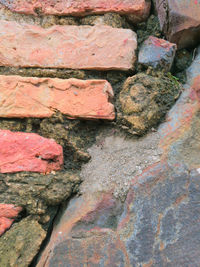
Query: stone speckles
{"x": 28, "y": 152}
{"x": 75, "y": 47}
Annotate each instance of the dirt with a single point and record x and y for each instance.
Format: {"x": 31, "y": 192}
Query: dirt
{"x": 116, "y": 160}
{"x": 111, "y": 19}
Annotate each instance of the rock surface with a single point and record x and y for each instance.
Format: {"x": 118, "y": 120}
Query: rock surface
{"x": 157, "y": 53}
{"x": 75, "y": 47}
{"x": 7, "y": 214}
{"x": 154, "y": 226}
{"x": 41, "y": 97}
{"x": 28, "y": 152}
{"x": 180, "y": 21}
{"x": 144, "y": 100}
{"x": 159, "y": 218}
{"x": 21, "y": 243}
{"x": 139, "y": 9}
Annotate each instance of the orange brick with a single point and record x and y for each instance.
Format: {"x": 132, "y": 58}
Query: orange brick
{"x": 40, "y": 97}
{"x": 75, "y": 47}
{"x": 138, "y": 9}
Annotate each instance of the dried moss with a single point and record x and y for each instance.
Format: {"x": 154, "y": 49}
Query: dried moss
{"x": 144, "y": 101}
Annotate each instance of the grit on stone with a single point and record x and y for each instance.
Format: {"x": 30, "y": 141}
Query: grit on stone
{"x": 115, "y": 160}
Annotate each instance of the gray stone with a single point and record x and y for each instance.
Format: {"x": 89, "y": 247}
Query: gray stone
{"x": 157, "y": 53}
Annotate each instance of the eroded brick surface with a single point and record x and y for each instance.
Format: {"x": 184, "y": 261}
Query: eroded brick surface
{"x": 139, "y": 9}
{"x": 75, "y": 47}
{"x": 41, "y": 97}
{"x": 28, "y": 152}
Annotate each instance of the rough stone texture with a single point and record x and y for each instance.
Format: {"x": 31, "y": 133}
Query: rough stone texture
{"x": 28, "y": 152}
{"x": 180, "y": 21}
{"x": 159, "y": 220}
{"x": 21, "y": 243}
{"x": 158, "y": 225}
{"x": 41, "y": 97}
{"x": 35, "y": 192}
{"x": 7, "y": 214}
{"x": 75, "y": 47}
{"x": 138, "y": 9}
{"x": 111, "y": 150}
{"x": 144, "y": 100}
{"x": 157, "y": 53}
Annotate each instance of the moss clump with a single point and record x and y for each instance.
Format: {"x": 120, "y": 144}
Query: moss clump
{"x": 111, "y": 19}
{"x": 21, "y": 243}
{"x": 150, "y": 27}
{"x": 144, "y": 101}
{"x": 38, "y": 72}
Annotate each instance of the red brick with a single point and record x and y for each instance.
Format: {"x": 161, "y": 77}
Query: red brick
{"x": 139, "y": 9}
{"x": 41, "y": 97}
{"x": 28, "y": 152}
{"x": 7, "y": 214}
{"x": 75, "y": 47}
{"x": 9, "y": 210}
{"x": 180, "y": 21}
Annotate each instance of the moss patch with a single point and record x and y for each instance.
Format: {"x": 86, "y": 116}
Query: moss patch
{"x": 144, "y": 101}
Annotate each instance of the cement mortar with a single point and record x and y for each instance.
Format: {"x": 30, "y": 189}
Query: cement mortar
{"x": 115, "y": 160}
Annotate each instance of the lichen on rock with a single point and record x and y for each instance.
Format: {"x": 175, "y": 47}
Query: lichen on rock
{"x": 144, "y": 101}
{"x": 21, "y": 243}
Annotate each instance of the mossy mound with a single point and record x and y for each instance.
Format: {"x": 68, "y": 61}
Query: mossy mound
{"x": 144, "y": 101}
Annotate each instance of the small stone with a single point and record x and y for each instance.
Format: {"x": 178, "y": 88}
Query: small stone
{"x": 28, "y": 152}
{"x": 157, "y": 53}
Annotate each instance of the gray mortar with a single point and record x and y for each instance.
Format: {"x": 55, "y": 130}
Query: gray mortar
{"x": 116, "y": 160}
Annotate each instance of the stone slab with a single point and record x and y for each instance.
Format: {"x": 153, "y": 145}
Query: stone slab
{"x": 28, "y": 152}
{"x": 139, "y": 9}
{"x": 72, "y": 47}
{"x": 40, "y": 97}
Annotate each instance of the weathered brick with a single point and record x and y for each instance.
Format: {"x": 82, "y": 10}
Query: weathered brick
{"x": 28, "y": 152}
{"x": 75, "y": 47}
{"x": 7, "y": 214}
{"x": 41, "y": 97}
{"x": 139, "y": 9}
{"x": 180, "y": 21}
